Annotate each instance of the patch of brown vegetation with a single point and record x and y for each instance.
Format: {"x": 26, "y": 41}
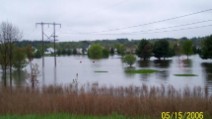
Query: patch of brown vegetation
{"x": 95, "y": 100}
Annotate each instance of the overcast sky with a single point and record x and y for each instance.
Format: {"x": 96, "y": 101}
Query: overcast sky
{"x": 108, "y": 19}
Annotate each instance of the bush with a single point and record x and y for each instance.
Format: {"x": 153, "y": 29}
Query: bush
{"x": 129, "y": 59}
{"x": 96, "y": 51}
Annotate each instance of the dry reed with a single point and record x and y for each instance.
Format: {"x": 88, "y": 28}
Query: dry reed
{"x": 95, "y": 100}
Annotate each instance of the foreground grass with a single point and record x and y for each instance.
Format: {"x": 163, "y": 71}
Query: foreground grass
{"x": 68, "y": 116}
{"x": 61, "y": 116}
{"x": 187, "y": 75}
{"x": 93, "y": 100}
{"x": 141, "y": 71}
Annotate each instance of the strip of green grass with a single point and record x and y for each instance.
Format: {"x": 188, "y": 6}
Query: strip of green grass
{"x": 101, "y": 71}
{"x": 67, "y": 116}
{"x": 141, "y": 71}
{"x": 187, "y": 75}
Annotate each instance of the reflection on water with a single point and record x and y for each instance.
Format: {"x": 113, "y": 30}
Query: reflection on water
{"x": 82, "y": 68}
{"x": 207, "y": 70}
{"x": 162, "y": 63}
{"x": 19, "y": 77}
{"x": 163, "y": 75}
{"x": 144, "y": 63}
{"x": 186, "y": 62}
{"x": 144, "y": 77}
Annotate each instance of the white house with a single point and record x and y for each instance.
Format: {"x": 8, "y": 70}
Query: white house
{"x": 49, "y": 51}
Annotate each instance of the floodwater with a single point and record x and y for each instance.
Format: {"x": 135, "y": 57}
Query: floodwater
{"x": 111, "y": 72}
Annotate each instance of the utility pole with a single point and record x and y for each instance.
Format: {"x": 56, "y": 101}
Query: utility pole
{"x": 42, "y": 35}
{"x": 54, "y": 36}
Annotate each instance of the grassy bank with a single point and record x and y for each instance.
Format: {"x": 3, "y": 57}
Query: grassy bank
{"x": 93, "y": 100}
{"x": 141, "y": 71}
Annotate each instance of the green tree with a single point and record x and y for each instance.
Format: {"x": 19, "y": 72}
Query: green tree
{"x": 8, "y": 35}
{"x": 120, "y": 49}
{"x": 144, "y": 49}
{"x": 29, "y": 53}
{"x": 129, "y": 59}
{"x": 95, "y": 51}
{"x": 105, "y": 53}
{"x": 19, "y": 58}
{"x": 187, "y": 47}
{"x": 38, "y": 54}
{"x": 206, "y": 50}
{"x": 161, "y": 49}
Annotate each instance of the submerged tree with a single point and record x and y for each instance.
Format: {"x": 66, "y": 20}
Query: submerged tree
{"x": 19, "y": 58}
{"x": 105, "y": 53}
{"x": 144, "y": 50}
{"x": 161, "y": 49}
{"x": 206, "y": 50}
{"x": 95, "y": 51}
{"x": 8, "y": 35}
{"x": 129, "y": 59}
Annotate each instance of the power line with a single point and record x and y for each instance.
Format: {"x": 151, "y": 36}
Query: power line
{"x": 150, "y": 23}
{"x": 182, "y": 29}
{"x": 189, "y": 28}
{"x": 157, "y": 29}
{"x": 182, "y": 25}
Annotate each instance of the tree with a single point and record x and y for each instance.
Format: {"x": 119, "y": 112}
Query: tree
{"x": 8, "y": 35}
{"x": 120, "y": 49}
{"x": 105, "y": 53}
{"x": 95, "y": 51}
{"x": 112, "y": 51}
{"x": 206, "y": 50}
{"x": 74, "y": 51}
{"x": 19, "y": 58}
{"x": 161, "y": 49}
{"x": 29, "y": 53}
{"x": 38, "y": 54}
{"x": 129, "y": 59}
{"x": 187, "y": 47}
{"x": 144, "y": 49}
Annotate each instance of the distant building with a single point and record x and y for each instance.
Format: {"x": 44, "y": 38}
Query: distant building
{"x": 49, "y": 51}
{"x": 79, "y": 51}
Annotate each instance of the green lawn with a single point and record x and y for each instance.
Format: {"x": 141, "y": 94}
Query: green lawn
{"x": 101, "y": 71}
{"x": 66, "y": 116}
{"x": 141, "y": 71}
{"x": 185, "y": 75}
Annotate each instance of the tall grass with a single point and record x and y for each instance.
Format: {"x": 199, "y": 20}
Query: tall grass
{"x": 62, "y": 116}
{"x": 95, "y": 100}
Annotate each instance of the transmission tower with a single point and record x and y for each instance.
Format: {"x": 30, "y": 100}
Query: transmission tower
{"x": 53, "y": 35}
